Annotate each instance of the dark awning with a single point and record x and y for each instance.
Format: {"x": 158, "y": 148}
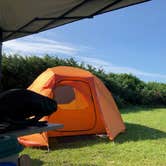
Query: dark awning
{"x": 24, "y": 17}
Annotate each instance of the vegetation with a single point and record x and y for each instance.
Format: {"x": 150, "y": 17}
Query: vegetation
{"x": 19, "y": 72}
{"x": 143, "y": 144}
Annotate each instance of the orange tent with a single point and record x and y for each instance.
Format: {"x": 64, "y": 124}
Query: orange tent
{"x": 85, "y": 106}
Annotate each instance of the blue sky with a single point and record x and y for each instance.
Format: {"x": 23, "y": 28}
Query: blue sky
{"x": 129, "y": 40}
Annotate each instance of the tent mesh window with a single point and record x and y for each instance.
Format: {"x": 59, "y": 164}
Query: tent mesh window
{"x": 69, "y": 98}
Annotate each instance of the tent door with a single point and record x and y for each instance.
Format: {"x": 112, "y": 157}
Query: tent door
{"x": 75, "y": 106}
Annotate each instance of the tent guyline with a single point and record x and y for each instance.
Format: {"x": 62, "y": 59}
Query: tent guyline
{"x": 62, "y": 17}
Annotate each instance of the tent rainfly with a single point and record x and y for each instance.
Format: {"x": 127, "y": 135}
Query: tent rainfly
{"x": 85, "y": 105}
{"x": 20, "y": 18}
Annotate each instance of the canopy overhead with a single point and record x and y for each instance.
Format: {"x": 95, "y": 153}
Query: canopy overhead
{"x": 20, "y": 18}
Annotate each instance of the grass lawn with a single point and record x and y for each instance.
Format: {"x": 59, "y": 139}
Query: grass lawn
{"x": 144, "y": 143}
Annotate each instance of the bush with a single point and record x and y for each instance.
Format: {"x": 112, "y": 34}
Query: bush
{"x": 19, "y": 72}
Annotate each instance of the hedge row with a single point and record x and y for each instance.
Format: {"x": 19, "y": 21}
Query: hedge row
{"x": 19, "y": 72}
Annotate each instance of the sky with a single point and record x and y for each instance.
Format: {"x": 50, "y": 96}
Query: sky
{"x": 129, "y": 40}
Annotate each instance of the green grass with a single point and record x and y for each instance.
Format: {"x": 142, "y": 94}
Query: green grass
{"x": 144, "y": 143}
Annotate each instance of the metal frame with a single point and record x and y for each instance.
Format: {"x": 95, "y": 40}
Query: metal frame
{"x": 52, "y": 20}
{"x": 42, "y": 19}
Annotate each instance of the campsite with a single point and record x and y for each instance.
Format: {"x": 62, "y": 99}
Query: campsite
{"x": 79, "y": 92}
{"x": 143, "y": 142}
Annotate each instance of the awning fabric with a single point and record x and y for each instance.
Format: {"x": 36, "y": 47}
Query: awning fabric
{"x": 24, "y": 17}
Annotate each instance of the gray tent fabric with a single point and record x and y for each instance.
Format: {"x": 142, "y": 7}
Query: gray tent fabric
{"x": 20, "y": 18}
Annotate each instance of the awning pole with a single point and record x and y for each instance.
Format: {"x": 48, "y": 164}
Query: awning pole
{"x": 1, "y": 40}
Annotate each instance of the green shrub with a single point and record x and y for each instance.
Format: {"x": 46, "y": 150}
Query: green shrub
{"x": 19, "y": 72}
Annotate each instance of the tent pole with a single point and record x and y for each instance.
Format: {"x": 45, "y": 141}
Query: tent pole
{"x": 1, "y": 40}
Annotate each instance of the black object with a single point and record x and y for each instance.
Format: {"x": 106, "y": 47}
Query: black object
{"x": 20, "y": 108}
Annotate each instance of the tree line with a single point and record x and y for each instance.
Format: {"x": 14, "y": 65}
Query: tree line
{"x": 20, "y": 71}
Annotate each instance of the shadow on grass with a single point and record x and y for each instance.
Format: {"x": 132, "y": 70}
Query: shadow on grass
{"x": 135, "y": 109}
{"x": 36, "y": 162}
{"x": 68, "y": 142}
{"x": 134, "y": 132}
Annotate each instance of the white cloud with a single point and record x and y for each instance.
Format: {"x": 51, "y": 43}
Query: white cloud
{"x": 109, "y": 67}
{"x": 38, "y": 45}
{"x": 41, "y": 46}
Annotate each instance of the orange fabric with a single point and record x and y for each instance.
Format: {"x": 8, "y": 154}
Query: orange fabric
{"x": 109, "y": 110}
{"x": 38, "y": 139}
{"x": 92, "y": 111}
{"x": 34, "y": 140}
{"x": 78, "y": 111}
